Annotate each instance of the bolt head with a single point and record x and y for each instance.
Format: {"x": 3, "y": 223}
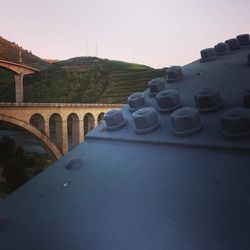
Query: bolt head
{"x": 74, "y": 163}
{"x": 207, "y": 54}
{"x": 136, "y": 101}
{"x": 208, "y": 99}
{"x": 114, "y": 119}
{"x": 233, "y": 43}
{"x": 185, "y": 121}
{"x": 235, "y": 122}
{"x": 145, "y": 120}
{"x": 174, "y": 73}
{"x": 168, "y": 100}
{"x": 243, "y": 39}
{"x": 156, "y": 85}
{"x": 221, "y": 48}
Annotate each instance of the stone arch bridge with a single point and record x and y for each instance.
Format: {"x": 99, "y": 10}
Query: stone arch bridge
{"x": 55, "y": 123}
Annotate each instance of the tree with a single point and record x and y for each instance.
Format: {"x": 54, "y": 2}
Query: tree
{"x": 14, "y": 173}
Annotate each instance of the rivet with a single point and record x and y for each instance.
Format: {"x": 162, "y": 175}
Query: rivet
{"x": 136, "y": 101}
{"x": 74, "y": 163}
{"x": 145, "y": 120}
{"x": 114, "y": 120}
{"x": 185, "y": 121}
{"x": 233, "y": 43}
{"x": 156, "y": 85}
{"x": 168, "y": 100}
{"x": 207, "y": 55}
{"x": 208, "y": 99}
{"x": 235, "y": 123}
{"x": 243, "y": 39}
{"x": 65, "y": 184}
{"x": 221, "y": 48}
{"x": 174, "y": 73}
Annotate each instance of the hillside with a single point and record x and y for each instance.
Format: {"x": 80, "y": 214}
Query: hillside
{"x": 80, "y": 79}
{"x": 124, "y": 83}
{"x": 9, "y": 51}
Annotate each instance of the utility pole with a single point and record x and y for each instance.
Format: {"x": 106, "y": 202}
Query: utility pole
{"x": 20, "y": 56}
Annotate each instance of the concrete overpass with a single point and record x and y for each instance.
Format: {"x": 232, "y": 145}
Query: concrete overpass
{"x": 54, "y": 123}
{"x": 20, "y": 70}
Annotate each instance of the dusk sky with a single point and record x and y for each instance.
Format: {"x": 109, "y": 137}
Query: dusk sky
{"x": 156, "y": 33}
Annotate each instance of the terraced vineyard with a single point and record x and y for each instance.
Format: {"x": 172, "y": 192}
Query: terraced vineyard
{"x": 124, "y": 83}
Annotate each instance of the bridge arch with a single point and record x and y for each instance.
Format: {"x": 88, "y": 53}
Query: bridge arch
{"x": 38, "y": 121}
{"x": 73, "y": 129}
{"x": 89, "y": 122}
{"x": 100, "y": 117}
{"x": 56, "y": 129}
{"x": 34, "y": 131}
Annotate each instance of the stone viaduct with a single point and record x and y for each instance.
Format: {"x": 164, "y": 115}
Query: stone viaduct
{"x": 56, "y": 125}
{"x": 59, "y": 126}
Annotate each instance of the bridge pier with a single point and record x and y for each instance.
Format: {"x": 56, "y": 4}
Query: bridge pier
{"x": 96, "y": 122}
{"x": 64, "y": 137}
{"x": 19, "y": 87}
{"x": 61, "y": 136}
{"x": 81, "y": 131}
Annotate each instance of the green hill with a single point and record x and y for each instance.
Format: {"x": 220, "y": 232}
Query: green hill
{"x": 80, "y": 79}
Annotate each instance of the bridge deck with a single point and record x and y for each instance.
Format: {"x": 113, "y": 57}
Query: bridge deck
{"x": 86, "y": 105}
{"x": 19, "y": 65}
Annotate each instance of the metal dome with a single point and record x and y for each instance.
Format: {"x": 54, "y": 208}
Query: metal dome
{"x": 155, "y": 190}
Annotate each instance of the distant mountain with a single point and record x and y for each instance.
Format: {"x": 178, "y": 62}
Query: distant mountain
{"x": 80, "y": 79}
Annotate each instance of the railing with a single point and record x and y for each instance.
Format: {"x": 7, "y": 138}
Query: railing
{"x": 86, "y": 105}
{"x": 19, "y": 65}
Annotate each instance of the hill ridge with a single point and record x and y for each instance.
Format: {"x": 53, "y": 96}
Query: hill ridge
{"x": 78, "y": 79}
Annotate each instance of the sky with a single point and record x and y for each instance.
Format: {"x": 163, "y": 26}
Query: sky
{"x": 156, "y": 33}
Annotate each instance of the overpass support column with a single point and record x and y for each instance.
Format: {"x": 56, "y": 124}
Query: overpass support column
{"x": 19, "y": 88}
{"x": 81, "y": 131}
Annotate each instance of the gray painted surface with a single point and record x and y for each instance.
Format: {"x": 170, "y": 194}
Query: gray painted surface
{"x": 160, "y": 197}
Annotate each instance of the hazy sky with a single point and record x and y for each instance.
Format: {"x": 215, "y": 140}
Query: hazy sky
{"x": 156, "y": 33}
